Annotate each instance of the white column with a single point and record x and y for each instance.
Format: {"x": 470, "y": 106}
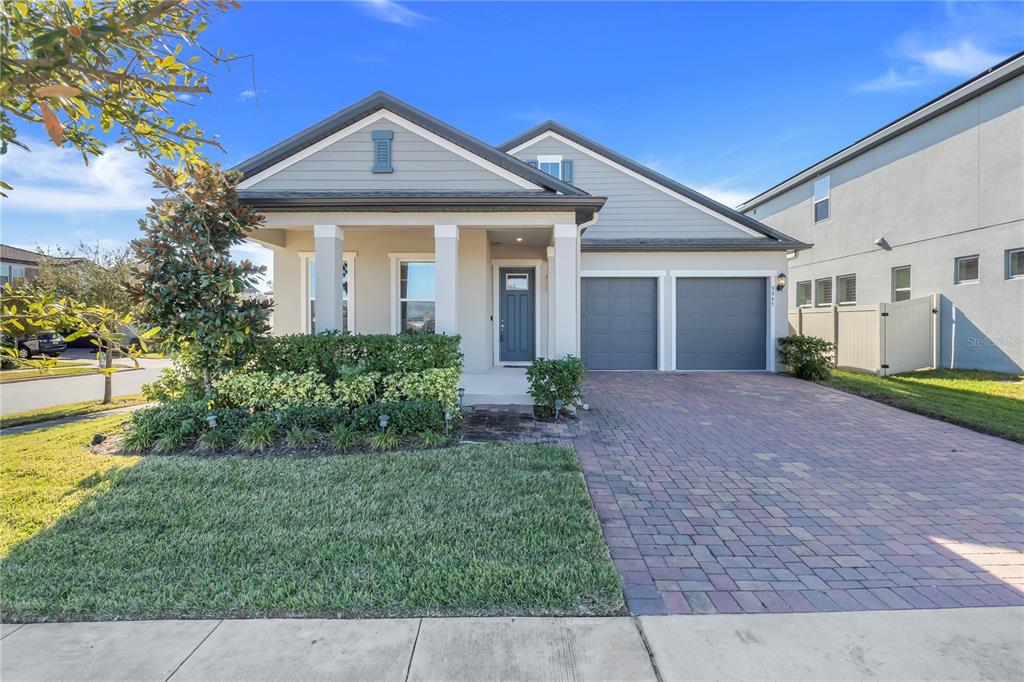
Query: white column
{"x": 446, "y": 279}
{"x": 329, "y": 252}
{"x": 551, "y": 303}
{"x": 566, "y": 280}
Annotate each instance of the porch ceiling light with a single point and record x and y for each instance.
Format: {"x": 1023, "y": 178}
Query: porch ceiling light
{"x": 780, "y": 281}
{"x": 519, "y": 239}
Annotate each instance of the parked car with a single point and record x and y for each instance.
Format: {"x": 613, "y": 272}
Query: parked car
{"x": 129, "y": 336}
{"x": 43, "y": 343}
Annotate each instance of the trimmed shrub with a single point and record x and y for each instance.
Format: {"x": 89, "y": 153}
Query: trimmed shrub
{"x": 334, "y": 354}
{"x": 357, "y": 390}
{"x": 438, "y": 385}
{"x": 552, "y": 380}
{"x": 174, "y": 384}
{"x": 405, "y": 416}
{"x": 806, "y": 357}
{"x": 262, "y": 391}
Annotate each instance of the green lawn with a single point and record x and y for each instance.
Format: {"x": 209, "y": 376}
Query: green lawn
{"x": 68, "y": 410}
{"x": 486, "y": 529}
{"x": 984, "y": 401}
{"x": 64, "y": 368}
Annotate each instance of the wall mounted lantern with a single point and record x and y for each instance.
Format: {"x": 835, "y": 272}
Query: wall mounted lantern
{"x": 780, "y": 281}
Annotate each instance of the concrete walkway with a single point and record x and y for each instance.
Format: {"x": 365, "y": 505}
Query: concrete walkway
{"x": 938, "y": 644}
{"x": 11, "y": 430}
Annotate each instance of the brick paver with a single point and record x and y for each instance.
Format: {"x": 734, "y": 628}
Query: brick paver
{"x": 752, "y": 493}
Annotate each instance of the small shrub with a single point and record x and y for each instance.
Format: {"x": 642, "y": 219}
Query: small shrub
{"x": 384, "y": 440}
{"x": 258, "y": 435}
{"x": 432, "y": 439}
{"x": 343, "y": 437}
{"x": 405, "y": 416}
{"x": 187, "y": 419}
{"x": 170, "y": 440}
{"x": 214, "y": 439}
{"x": 806, "y": 357}
{"x": 356, "y": 390}
{"x": 301, "y": 436}
{"x": 139, "y": 437}
{"x": 262, "y": 391}
{"x": 437, "y": 385}
{"x": 319, "y": 417}
{"x": 174, "y": 385}
{"x": 552, "y": 380}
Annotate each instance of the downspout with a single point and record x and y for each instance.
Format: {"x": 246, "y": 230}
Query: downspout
{"x": 952, "y": 338}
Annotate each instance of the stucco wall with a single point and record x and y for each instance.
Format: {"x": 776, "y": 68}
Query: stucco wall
{"x": 950, "y": 187}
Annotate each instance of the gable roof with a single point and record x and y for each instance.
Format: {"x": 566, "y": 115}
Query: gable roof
{"x": 652, "y": 175}
{"x": 13, "y": 253}
{"x": 381, "y": 100}
{"x": 992, "y": 77}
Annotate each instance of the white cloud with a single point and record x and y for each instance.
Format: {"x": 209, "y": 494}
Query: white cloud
{"x": 961, "y": 59}
{"x": 52, "y": 179}
{"x": 391, "y": 12}
{"x": 731, "y": 197}
{"x": 259, "y": 255}
{"x": 890, "y": 80}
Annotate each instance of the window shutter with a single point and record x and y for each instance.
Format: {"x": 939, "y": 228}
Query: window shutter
{"x": 382, "y": 151}
{"x": 533, "y": 163}
{"x": 567, "y": 171}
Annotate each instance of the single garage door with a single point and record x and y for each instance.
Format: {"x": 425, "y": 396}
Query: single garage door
{"x": 619, "y": 322}
{"x": 721, "y": 322}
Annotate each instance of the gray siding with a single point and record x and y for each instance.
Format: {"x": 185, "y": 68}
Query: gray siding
{"x": 947, "y": 188}
{"x": 634, "y": 208}
{"x": 419, "y": 165}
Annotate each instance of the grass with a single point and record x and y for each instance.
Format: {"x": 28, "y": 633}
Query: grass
{"x": 68, "y": 410}
{"x": 61, "y": 370}
{"x": 485, "y": 529}
{"x": 984, "y": 401}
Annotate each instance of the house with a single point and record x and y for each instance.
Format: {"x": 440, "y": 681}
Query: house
{"x": 383, "y": 219}
{"x": 930, "y": 203}
{"x": 18, "y": 266}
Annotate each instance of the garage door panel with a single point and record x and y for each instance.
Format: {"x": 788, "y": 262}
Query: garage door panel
{"x": 721, "y": 323}
{"x": 619, "y": 322}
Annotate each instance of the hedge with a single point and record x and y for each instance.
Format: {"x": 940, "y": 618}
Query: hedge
{"x": 333, "y": 354}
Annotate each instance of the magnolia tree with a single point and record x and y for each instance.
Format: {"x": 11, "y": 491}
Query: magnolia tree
{"x": 187, "y": 284}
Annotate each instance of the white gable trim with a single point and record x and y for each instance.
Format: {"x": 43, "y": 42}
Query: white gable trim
{"x": 647, "y": 181}
{"x": 397, "y": 120}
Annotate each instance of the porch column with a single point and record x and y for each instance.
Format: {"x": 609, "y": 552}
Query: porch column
{"x": 446, "y": 279}
{"x": 551, "y": 303}
{"x": 329, "y": 249}
{"x": 566, "y": 281}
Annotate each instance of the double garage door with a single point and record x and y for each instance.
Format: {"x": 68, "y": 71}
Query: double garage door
{"x": 720, "y": 323}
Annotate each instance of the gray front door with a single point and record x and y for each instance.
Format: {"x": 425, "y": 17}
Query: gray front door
{"x": 516, "y": 333}
{"x": 721, "y": 322}
{"x": 619, "y": 322}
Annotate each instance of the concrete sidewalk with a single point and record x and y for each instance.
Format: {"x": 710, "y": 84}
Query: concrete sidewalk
{"x": 933, "y": 644}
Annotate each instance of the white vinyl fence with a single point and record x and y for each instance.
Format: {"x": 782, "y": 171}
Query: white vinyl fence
{"x": 883, "y": 338}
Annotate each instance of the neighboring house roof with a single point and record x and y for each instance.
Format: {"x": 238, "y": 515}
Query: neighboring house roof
{"x": 381, "y": 100}
{"x": 652, "y": 175}
{"x": 997, "y": 75}
{"x": 283, "y": 200}
{"x": 14, "y": 254}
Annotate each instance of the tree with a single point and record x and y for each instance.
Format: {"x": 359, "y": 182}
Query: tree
{"x": 86, "y": 69}
{"x": 28, "y": 311}
{"x": 187, "y": 283}
{"x": 90, "y": 274}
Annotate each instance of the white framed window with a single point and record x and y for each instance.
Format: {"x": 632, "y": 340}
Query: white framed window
{"x": 1015, "y": 263}
{"x": 901, "y": 283}
{"x": 846, "y": 289}
{"x": 550, "y": 164}
{"x": 823, "y": 291}
{"x": 822, "y": 198}
{"x": 414, "y": 293}
{"x": 966, "y": 270}
{"x": 803, "y": 293}
{"x": 348, "y": 291}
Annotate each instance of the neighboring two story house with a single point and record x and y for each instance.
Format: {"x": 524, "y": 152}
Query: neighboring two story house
{"x": 930, "y": 203}
{"x": 18, "y": 266}
{"x": 383, "y": 219}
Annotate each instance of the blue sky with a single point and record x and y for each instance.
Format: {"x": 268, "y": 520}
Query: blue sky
{"x": 729, "y": 98}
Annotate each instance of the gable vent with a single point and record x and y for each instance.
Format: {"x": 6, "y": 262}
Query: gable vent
{"x": 382, "y": 151}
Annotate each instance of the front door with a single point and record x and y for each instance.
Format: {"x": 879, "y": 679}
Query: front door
{"x": 516, "y": 333}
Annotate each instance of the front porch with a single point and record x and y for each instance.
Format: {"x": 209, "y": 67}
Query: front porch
{"x": 506, "y": 282}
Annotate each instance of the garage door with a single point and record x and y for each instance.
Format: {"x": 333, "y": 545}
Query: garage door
{"x": 720, "y": 322}
{"x": 619, "y": 322}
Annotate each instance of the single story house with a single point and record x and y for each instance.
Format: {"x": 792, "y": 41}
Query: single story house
{"x": 383, "y": 219}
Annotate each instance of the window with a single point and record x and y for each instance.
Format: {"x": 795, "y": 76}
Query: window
{"x": 901, "y": 284}
{"x": 846, "y": 289}
{"x": 966, "y": 270}
{"x": 346, "y": 313}
{"x": 1015, "y": 264}
{"x": 550, "y": 164}
{"x": 822, "y": 191}
{"x": 803, "y": 293}
{"x": 416, "y": 297}
{"x": 823, "y": 291}
{"x": 517, "y": 282}
{"x": 382, "y": 151}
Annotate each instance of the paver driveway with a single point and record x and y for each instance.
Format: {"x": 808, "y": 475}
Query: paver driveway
{"x": 726, "y": 493}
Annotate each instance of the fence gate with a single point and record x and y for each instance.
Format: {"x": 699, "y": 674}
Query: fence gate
{"x": 883, "y": 338}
